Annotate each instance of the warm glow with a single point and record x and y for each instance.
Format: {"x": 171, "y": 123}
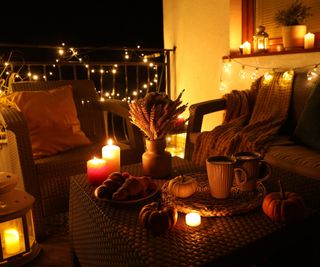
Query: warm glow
{"x": 287, "y": 76}
{"x": 268, "y": 76}
{"x": 223, "y": 87}
{"x": 193, "y": 219}
{"x": 246, "y": 48}
{"x": 111, "y": 153}
{"x": 11, "y": 241}
{"x": 97, "y": 170}
{"x": 309, "y": 40}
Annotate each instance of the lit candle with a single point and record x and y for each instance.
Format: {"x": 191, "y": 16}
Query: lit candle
{"x": 97, "y": 171}
{"x": 246, "y": 48}
{"x": 309, "y": 40}
{"x": 111, "y": 153}
{"x": 11, "y": 241}
{"x": 193, "y": 219}
{"x": 179, "y": 122}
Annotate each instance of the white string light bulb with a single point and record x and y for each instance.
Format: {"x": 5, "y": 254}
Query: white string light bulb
{"x": 223, "y": 86}
{"x": 242, "y": 73}
{"x": 255, "y": 74}
{"x": 227, "y": 66}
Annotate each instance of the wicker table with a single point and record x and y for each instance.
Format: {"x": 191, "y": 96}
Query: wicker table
{"x": 107, "y": 235}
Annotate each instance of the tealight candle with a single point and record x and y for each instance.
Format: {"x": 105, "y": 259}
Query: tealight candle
{"x": 193, "y": 219}
{"x": 309, "y": 40}
{"x": 97, "y": 171}
{"x": 111, "y": 153}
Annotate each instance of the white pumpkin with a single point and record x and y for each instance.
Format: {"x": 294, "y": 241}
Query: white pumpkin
{"x": 182, "y": 186}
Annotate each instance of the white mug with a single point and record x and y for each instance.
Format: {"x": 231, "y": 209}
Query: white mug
{"x": 221, "y": 174}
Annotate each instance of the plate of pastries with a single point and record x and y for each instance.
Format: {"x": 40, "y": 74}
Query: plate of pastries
{"x": 124, "y": 188}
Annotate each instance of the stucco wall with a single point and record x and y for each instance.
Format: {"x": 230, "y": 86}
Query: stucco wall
{"x": 200, "y": 32}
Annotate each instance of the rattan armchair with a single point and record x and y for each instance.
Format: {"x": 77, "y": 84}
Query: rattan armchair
{"x": 47, "y": 179}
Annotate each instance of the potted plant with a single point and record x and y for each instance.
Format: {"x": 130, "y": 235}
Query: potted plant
{"x": 292, "y": 21}
{"x": 156, "y": 116}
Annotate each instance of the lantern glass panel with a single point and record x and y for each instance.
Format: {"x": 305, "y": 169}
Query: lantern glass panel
{"x": 12, "y": 238}
{"x": 32, "y": 237}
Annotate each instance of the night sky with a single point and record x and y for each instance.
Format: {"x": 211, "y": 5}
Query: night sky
{"x": 117, "y": 23}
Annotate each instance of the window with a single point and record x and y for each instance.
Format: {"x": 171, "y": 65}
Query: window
{"x": 261, "y": 12}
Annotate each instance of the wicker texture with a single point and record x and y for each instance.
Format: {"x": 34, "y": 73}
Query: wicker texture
{"x": 106, "y": 235}
{"x": 202, "y": 201}
{"x": 47, "y": 179}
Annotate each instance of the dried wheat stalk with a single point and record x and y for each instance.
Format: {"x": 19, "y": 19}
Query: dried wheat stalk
{"x": 155, "y": 114}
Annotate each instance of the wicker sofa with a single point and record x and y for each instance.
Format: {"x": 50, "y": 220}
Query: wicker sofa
{"x": 47, "y": 178}
{"x": 285, "y": 152}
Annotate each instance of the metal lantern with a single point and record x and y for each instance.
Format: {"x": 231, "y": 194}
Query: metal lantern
{"x": 18, "y": 243}
{"x": 260, "y": 40}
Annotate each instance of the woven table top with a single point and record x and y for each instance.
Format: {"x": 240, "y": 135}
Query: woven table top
{"x": 221, "y": 240}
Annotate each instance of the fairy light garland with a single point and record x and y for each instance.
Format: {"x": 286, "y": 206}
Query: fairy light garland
{"x": 253, "y": 71}
{"x": 72, "y": 55}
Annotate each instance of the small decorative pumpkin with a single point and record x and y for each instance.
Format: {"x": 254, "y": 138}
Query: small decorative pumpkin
{"x": 158, "y": 217}
{"x": 182, "y": 186}
{"x": 284, "y": 206}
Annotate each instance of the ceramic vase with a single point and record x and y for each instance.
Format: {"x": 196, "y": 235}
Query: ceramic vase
{"x": 156, "y": 162}
{"x": 293, "y": 36}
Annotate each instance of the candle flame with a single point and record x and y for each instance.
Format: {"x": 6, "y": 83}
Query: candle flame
{"x": 110, "y": 142}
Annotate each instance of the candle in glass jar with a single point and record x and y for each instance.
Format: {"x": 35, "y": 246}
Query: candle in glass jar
{"x": 309, "y": 41}
{"x": 111, "y": 153}
{"x": 97, "y": 171}
{"x": 193, "y": 219}
{"x": 246, "y": 48}
{"x": 11, "y": 241}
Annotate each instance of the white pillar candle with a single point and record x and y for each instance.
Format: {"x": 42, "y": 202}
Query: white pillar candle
{"x": 309, "y": 40}
{"x": 246, "y": 48}
{"x": 193, "y": 219}
{"x": 11, "y": 241}
{"x": 111, "y": 153}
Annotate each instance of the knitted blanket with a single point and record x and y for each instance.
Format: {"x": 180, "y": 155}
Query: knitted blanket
{"x": 252, "y": 117}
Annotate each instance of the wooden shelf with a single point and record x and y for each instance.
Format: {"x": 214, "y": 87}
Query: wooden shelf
{"x": 273, "y": 53}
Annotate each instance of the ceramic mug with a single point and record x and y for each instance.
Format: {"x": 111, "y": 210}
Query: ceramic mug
{"x": 221, "y": 172}
{"x": 253, "y": 164}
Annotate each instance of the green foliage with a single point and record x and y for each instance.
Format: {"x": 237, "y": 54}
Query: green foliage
{"x": 295, "y": 14}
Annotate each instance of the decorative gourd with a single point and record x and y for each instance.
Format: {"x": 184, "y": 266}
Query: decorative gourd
{"x": 182, "y": 186}
{"x": 157, "y": 217}
{"x": 284, "y": 206}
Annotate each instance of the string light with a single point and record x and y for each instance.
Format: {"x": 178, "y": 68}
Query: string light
{"x": 268, "y": 73}
{"x": 73, "y": 55}
{"x": 242, "y": 73}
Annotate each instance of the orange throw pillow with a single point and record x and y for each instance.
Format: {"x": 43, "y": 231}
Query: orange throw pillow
{"x": 52, "y": 120}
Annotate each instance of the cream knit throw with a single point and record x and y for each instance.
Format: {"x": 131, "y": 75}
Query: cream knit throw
{"x": 251, "y": 118}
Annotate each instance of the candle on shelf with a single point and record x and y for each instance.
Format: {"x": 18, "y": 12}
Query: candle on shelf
{"x": 246, "y": 48}
{"x": 11, "y": 241}
{"x": 97, "y": 171}
{"x": 111, "y": 153}
{"x": 309, "y": 40}
{"x": 193, "y": 219}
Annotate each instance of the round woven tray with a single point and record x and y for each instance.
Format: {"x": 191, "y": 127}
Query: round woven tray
{"x": 208, "y": 206}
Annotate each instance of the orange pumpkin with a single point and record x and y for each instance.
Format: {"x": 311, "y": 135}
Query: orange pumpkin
{"x": 182, "y": 186}
{"x": 158, "y": 217}
{"x": 284, "y": 206}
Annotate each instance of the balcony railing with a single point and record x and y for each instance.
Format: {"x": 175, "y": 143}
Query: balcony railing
{"x": 120, "y": 73}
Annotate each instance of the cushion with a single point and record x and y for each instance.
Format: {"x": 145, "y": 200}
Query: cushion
{"x": 52, "y": 120}
{"x": 308, "y": 128}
